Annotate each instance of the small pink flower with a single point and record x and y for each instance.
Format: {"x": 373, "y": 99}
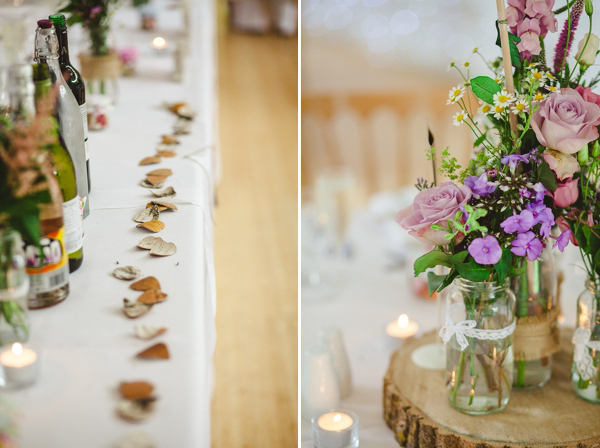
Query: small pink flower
{"x": 95, "y": 10}
{"x": 513, "y": 18}
{"x": 529, "y": 31}
{"x": 563, "y": 165}
{"x": 587, "y": 94}
{"x": 563, "y": 225}
{"x": 566, "y": 193}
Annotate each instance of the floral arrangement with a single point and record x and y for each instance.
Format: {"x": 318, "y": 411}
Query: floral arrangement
{"x": 95, "y": 17}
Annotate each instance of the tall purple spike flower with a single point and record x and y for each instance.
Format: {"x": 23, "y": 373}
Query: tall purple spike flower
{"x": 563, "y": 47}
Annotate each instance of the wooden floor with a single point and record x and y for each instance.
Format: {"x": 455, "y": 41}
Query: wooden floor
{"x": 256, "y": 253}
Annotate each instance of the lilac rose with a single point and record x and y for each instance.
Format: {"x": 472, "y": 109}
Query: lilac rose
{"x": 433, "y": 206}
{"x": 566, "y": 122}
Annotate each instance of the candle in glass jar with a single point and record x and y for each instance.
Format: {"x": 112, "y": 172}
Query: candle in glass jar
{"x": 159, "y": 43}
{"x": 19, "y": 366}
{"x": 402, "y": 328}
{"x": 335, "y": 429}
{"x": 335, "y": 421}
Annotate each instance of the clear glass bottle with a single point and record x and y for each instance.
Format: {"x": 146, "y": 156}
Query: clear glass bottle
{"x": 479, "y": 371}
{"x": 536, "y": 336}
{"x": 69, "y": 115}
{"x": 14, "y": 287}
{"x": 586, "y": 351}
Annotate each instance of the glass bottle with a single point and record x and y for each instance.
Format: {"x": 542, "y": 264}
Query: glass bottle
{"x": 586, "y": 351}
{"x": 536, "y": 336}
{"x": 14, "y": 288}
{"x": 479, "y": 345}
{"x": 46, "y": 263}
{"x": 74, "y": 80}
{"x": 69, "y": 115}
{"x": 64, "y": 170}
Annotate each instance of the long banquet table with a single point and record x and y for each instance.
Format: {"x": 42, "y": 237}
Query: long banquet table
{"x": 363, "y": 294}
{"x": 87, "y": 345}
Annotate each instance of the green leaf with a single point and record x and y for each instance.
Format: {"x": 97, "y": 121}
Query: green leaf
{"x": 503, "y": 266}
{"x": 28, "y": 225}
{"x": 473, "y": 271}
{"x": 515, "y": 56}
{"x": 460, "y": 257}
{"x": 449, "y": 279}
{"x": 480, "y": 139}
{"x": 547, "y": 176}
{"x": 434, "y": 281}
{"x": 515, "y": 271}
{"x": 431, "y": 260}
{"x": 485, "y": 88}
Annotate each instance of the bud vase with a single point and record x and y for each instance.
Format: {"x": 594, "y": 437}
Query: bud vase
{"x": 14, "y": 288}
{"x": 586, "y": 345}
{"x": 479, "y": 345}
{"x": 537, "y": 335}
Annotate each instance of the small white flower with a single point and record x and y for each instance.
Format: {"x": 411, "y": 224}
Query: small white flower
{"x": 499, "y": 80}
{"x": 459, "y": 117}
{"x": 520, "y": 106}
{"x": 455, "y": 94}
{"x": 553, "y": 89}
{"x": 466, "y": 64}
{"x": 450, "y": 66}
{"x": 498, "y": 111}
{"x": 539, "y": 96}
{"x": 484, "y": 108}
{"x": 503, "y": 98}
{"x": 475, "y": 50}
{"x": 538, "y": 76}
{"x": 550, "y": 76}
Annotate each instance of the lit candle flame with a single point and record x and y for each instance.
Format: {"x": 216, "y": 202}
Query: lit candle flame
{"x": 337, "y": 417}
{"x": 17, "y": 348}
{"x": 403, "y": 321}
{"x": 159, "y": 42}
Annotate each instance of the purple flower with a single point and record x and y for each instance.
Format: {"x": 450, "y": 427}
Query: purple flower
{"x": 527, "y": 244}
{"x": 562, "y": 240}
{"x": 513, "y": 160}
{"x": 485, "y": 250}
{"x": 491, "y": 172}
{"x": 540, "y": 191}
{"x": 540, "y": 213}
{"x": 563, "y": 47}
{"x": 480, "y": 185}
{"x": 525, "y": 192}
{"x": 95, "y": 10}
{"x": 518, "y": 223}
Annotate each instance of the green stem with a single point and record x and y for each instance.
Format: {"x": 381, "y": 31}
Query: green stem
{"x": 521, "y": 373}
{"x": 458, "y": 377}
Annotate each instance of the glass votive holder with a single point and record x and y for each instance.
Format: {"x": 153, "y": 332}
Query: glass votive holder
{"x": 336, "y": 428}
{"x": 19, "y": 366}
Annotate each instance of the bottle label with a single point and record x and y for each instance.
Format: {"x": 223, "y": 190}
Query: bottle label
{"x": 83, "y": 110}
{"x": 47, "y": 269}
{"x": 73, "y": 225}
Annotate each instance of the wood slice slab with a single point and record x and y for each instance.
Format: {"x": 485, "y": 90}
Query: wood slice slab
{"x": 416, "y": 408}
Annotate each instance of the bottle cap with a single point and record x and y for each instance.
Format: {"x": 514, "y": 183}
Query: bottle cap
{"x": 44, "y": 23}
{"x": 58, "y": 20}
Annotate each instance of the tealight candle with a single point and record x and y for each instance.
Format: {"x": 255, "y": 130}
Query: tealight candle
{"x": 335, "y": 429}
{"x": 19, "y": 366}
{"x": 401, "y": 329}
{"x": 159, "y": 44}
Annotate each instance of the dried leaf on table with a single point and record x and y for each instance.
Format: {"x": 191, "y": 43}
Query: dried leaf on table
{"x": 136, "y": 410}
{"x": 160, "y": 207}
{"x": 135, "y": 309}
{"x": 163, "y": 249}
{"x": 168, "y": 192}
{"x": 165, "y": 153}
{"x": 182, "y": 126}
{"x": 186, "y": 111}
{"x": 146, "y": 332}
{"x": 138, "y": 439}
{"x": 148, "y": 214}
{"x": 153, "y": 226}
{"x": 149, "y": 241}
{"x": 134, "y": 390}
{"x": 157, "y": 351}
{"x": 172, "y": 147}
{"x": 145, "y": 284}
{"x": 147, "y": 184}
{"x": 150, "y": 160}
{"x": 154, "y": 179}
{"x": 160, "y": 172}
{"x": 169, "y": 140}
{"x": 127, "y": 272}
{"x": 152, "y": 296}
{"x": 164, "y": 204}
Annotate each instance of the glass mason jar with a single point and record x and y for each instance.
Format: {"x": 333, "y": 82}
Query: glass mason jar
{"x": 14, "y": 288}
{"x": 586, "y": 351}
{"x": 536, "y": 336}
{"x": 479, "y": 345}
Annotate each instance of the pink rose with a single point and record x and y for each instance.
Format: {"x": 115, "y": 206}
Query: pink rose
{"x": 563, "y": 165}
{"x": 565, "y": 122}
{"x": 566, "y": 193}
{"x": 563, "y": 225}
{"x": 587, "y": 94}
{"x": 433, "y": 206}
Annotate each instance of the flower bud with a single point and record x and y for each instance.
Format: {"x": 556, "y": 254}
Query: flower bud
{"x": 596, "y": 149}
{"x": 582, "y": 155}
{"x": 589, "y": 8}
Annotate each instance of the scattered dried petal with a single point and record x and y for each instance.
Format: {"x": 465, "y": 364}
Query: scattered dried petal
{"x": 148, "y": 242}
{"x": 153, "y": 226}
{"x": 135, "y": 309}
{"x": 168, "y": 192}
{"x": 165, "y": 153}
{"x": 186, "y": 111}
{"x": 136, "y": 410}
{"x": 157, "y": 351}
{"x": 160, "y": 172}
{"x": 155, "y": 180}
{"x": 147, "y": 184}
{"x": 182, "y": 126}
{"x": 163, "y": 249}
{"x": 127, "y": 272}
{"x": 169, "y": 140}
{"x": 145, "y": 284}
{"x": 150, "y": 160}
{"x": 135, "y": 390}
{"x": 146, "y": 332}
{"x": 152, "y": 296}
{"x": 165, "y": 204}
{"x": 160, "y": 207}
{"x": 148, "y": 214}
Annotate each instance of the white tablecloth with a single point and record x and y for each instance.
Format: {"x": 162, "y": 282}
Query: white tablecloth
{"x": 370, "y": 291}
{"x": 86, "y": 343}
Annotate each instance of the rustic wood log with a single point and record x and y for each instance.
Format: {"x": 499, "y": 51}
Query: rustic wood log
{"x": 416, "y": 408}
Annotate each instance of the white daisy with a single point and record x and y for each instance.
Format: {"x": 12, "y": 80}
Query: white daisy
{"x": 538, "y": 76}
{"x": 539, "y": 96}
{"x": 475, "y": 50}
{"x": 459, "y": 117}
{"x": 455, "y": 94}
{"x": 550, "y": 76}
{"x": 520, "y": 106}
{"x": 552, "y": 89}
{"x": 466, "y": 64}
{"x": 499, "y": 80}
{"x": 484, "y": 108}
{"x": 498, "y": 111}
{"x": 503, "y": 98}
